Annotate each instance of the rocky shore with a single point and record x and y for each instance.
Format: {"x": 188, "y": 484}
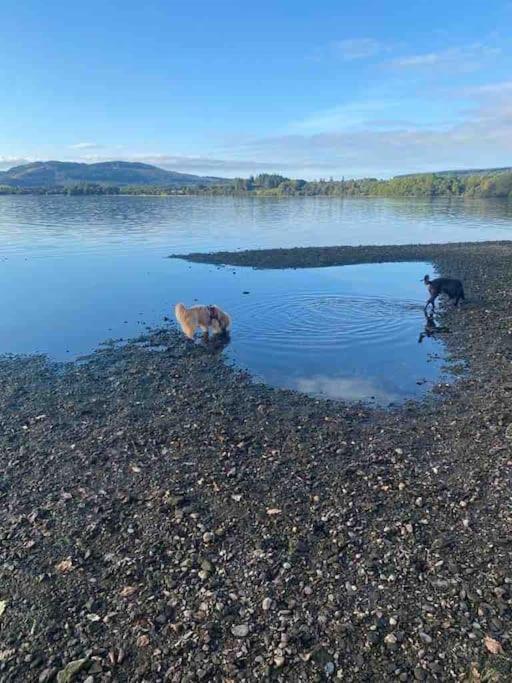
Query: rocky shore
{"x": 162, "y": 518}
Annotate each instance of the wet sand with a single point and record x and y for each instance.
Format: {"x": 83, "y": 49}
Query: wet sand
{"x": 163, "y": 518}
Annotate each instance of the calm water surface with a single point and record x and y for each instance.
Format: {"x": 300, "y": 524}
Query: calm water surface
{"x": 77, "y": 270}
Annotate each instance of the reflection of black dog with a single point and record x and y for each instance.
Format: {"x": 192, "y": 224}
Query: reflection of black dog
{"x": 431, "y": 328}
{"x": 443, "y": 285}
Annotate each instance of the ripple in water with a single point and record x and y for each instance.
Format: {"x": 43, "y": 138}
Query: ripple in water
{"x": 349, "y": 332}
{"x": 295, "y": 323}
{"x": 332, "y": 333}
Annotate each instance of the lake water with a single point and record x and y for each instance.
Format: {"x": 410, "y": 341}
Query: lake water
{"x": 77, "y": 270}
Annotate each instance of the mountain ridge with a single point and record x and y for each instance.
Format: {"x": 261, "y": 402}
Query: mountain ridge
{"x": 47, "y": 174}
{"x": 461, "y": 172}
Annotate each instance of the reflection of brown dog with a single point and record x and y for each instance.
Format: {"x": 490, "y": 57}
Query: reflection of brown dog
{"x": 204, "y": 317}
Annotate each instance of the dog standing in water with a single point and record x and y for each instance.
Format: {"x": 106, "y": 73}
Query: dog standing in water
{"x": 443, "y": 285}
{"x": 204, "y": 317}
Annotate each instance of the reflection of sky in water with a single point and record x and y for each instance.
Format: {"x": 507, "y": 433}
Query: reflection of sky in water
{"x": 77, "y": 270}
{"x": 351, "y": 389}
{"x": 32, "y": 225}
{"x": 343, "y": 331}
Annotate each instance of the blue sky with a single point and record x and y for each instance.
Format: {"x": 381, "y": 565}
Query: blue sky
{"x": 331, "y": 88}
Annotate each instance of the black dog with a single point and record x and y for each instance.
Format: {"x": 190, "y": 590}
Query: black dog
{"x": 443, "y": 285}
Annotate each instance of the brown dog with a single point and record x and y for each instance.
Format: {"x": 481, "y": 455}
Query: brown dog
{"x": 204, "y": 317}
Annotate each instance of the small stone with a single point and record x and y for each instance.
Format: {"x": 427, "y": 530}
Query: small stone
{"x": 266, "y": 604}
{"x": 208, "y": 536}
{"x": 127, "y": 591}
{"x": 206, "y": 566}
{"x": 47, "y": 675}
{"x": 391, "y": 640}
{"x": 65, "y": 566}
{"x": 425, "y": 637}
{"x": 240, "y": 630}
{"x": 96, "y": 668}
{"x": 419, "y": 501}
{"x": 279, "y": 661}
{"x": 329, "y": 669}
{"x": 70, "y": 670}
{"x": 142, "y": 640}
{"x": 373, "y": 637}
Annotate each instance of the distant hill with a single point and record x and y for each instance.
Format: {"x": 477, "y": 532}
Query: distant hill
{"x": 462, "y": 173}
{"x": 47, "y": 174}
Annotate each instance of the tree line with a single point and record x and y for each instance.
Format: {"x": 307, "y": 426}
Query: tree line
{"x": 421, "y": 185}
{"x": 275, "y": 185}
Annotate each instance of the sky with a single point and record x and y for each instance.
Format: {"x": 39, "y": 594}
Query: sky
{"x": 319, "y": 89}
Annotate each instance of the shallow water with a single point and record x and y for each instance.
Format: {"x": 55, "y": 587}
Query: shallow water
{"x": 77, "y": 270}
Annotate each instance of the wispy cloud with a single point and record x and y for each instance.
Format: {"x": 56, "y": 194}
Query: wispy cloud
{"x": 501, "y": 89}
{"x": 85, "y": 145}
{"x": 481, "y": 136}
{"x": 463, "y": 58}
{"x": 8, "y": 162}
{"x": 343, "y": 116}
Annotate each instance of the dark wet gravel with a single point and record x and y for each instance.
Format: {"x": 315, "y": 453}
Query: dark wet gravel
{"x": 163, "y": 519}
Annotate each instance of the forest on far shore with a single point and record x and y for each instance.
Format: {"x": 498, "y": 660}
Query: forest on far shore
{"x": 498, "y": 184}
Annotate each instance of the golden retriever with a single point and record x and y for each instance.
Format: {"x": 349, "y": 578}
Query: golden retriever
{"x": 204, "y": 317}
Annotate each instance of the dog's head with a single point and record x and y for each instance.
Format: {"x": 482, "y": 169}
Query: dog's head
{"x": 426, "y": 279}
{"x": 179, "y": 310}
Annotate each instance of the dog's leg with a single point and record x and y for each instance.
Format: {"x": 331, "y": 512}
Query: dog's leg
{"x": 189, "y": 330}
{"x": 430, "y": 302}
{"x": 204, "y": 329}
{"x": 215, "y": 325}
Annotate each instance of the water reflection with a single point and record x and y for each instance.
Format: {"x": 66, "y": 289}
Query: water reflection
{"x": 73, "y": 225}
{"x": 431, "y": 328}
{"x": 347, "y": 388}
{"x": 215, "y": 343}
{"x": 77, "y": 270}
{"x": 358, "y": 323}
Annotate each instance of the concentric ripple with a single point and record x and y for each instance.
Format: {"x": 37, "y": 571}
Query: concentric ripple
{"x": 317, "y": 321}
{"x": 353, "y": 333}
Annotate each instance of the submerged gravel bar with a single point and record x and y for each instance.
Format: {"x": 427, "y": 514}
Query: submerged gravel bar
{"x": 164, "y": 519}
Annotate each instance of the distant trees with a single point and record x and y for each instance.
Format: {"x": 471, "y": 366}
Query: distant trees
{"x": 274, "y": 185}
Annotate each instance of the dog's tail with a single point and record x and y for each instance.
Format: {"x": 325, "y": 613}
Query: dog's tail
{"x": 180, "y": 312}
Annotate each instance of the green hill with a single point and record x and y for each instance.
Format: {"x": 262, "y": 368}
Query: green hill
{"x": 47, "y": 174}
{"x": 463, "y": 172}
